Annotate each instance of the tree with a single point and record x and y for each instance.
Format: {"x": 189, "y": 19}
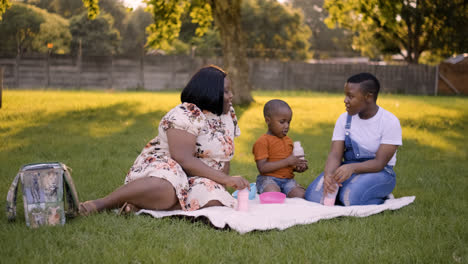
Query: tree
{"x": 54, "y": 30}
{"x": 95, "y": 37}
{"x": 18, "y": 28}
{"x": 407, "y": 27}
{"x": 67, "y": 8}
{"x": 117, "y": 10}
{"x": 226, "y": 15}
{"x": 275, "y": 31}
{"x": 324, "y": 42}
{"x": 133, "y": 34}
{"x": 272, "y": 30}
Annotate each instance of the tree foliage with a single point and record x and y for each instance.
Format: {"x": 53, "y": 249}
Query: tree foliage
{"x": 166, "y": 26}
{"x": 272, "y": 31}
{"x": 407, "y": 27}
{"x": 18, "y": 28}
{"x": 94, "y": 37}
{"x": 324, "y": 42}
{"x": 54, "y": 30}
{"x": 275, "y": 31}
{"x": 4, "y": 5}
{"x": 133, "y": 34}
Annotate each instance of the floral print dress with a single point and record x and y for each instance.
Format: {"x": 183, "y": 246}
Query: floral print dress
{"x": 214, "y": 146}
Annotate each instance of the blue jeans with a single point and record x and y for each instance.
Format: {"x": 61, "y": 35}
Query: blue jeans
{"x": 359, "y": 189}
{"x": 285, "y": 185}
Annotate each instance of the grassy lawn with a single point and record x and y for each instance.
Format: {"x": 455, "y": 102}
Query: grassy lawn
{"x": 99, "y": 134}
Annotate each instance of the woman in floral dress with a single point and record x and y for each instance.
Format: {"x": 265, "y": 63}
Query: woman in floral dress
{"x": 187, "y": 165}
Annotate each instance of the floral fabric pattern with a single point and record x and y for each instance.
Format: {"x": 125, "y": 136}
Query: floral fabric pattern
{"x": 214, "y": 146}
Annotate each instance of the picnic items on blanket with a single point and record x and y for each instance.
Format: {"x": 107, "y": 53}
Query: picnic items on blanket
{"x": 44, "y": 187}
{"x": 243, "y": 200}
{"x": 298, "y": 150}
{"x": 272, "y": 197}
{"x": 294, "y": 211}
{"x": 329, "y": 198}
{"x": 252, "y": 192}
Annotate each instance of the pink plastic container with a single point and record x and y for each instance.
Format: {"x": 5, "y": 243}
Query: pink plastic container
{"x": 243, "y": 200}
{"x": 329, "y": 198}
{"x": 272, "y": 197}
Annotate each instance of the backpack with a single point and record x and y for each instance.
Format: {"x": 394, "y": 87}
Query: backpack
{"x": 44, "y": 187}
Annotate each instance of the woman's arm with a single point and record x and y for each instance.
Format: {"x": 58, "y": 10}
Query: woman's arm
{"x": 227, "y": 167}
{"x": 333, "y": 162}
{"x": 182, "y": 149}
{"x": 382, "y": 157}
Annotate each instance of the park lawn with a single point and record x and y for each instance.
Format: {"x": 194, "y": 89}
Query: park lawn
{"x": 99, "y": 134}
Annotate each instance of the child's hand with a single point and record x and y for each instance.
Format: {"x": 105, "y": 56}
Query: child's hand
{"x": 302, "y": 166}
{"x": 294, "y": 160}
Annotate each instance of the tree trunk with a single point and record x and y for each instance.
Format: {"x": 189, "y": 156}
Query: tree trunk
{"x": 227, "y": 17}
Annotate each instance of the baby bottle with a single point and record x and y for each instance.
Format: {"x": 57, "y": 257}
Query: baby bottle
{"x": 243, "y": 200}
{"x": 329, "y": 198}
{"x": 298, "y": 150}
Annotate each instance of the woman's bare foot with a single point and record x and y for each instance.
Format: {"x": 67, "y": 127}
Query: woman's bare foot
{"x": 128, "y": 208}
{"x": 87, "y": 208}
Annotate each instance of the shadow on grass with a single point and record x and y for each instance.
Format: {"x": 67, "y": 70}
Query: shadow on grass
{"x": 101, "y": 143}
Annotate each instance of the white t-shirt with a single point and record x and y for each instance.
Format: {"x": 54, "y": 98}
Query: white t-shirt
{"x": 382, "y": 128}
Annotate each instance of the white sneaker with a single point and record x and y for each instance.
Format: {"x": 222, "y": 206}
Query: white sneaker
{"x": 390, "y": 196}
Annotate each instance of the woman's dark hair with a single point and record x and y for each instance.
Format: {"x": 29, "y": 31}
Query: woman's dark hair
{"x": 367, "y": 82}
{"x": 206, "y": 89}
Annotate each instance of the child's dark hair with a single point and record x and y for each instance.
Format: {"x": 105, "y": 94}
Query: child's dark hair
{"x": 206, "y": 89}
{"x": 272, "y": 105}
{"x": 368, "y": 83}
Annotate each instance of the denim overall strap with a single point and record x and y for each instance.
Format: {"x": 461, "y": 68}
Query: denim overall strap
{"x": 348, "y": 152}
{"x": 353, "y": 153}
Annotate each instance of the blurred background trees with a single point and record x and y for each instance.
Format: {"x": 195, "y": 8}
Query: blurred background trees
{"x": 406, "y": 27}
{"x": 418, "y": 31}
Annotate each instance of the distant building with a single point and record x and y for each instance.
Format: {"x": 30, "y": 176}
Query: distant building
{"x": 453, "y": 76}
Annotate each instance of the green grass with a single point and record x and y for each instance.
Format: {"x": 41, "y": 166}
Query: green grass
{"x": 99, "y": 134}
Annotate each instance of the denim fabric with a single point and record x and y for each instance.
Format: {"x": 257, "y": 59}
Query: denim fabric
{"x": 285, "y": 185}
{"x": 359, "y": 189}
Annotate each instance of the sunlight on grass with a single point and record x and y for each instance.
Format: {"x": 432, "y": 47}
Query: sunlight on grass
{"x": 99, "y": 134}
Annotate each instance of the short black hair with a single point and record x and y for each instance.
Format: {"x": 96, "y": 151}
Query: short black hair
{"x": 273, "y": 105}
{"x": 206, "y": 89}
{"x": 367, "y": 82}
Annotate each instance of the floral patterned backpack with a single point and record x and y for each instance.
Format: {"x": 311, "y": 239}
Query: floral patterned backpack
{"x": 44, "y": 187}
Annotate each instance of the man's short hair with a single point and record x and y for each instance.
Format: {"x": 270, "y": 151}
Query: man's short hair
{"x": 367, "y": 82}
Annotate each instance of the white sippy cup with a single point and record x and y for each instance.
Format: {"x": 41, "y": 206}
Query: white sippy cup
{"x": 298, "y": 150}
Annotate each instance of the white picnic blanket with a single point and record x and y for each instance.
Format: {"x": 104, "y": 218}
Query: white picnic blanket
{"x": 293, "y": 211}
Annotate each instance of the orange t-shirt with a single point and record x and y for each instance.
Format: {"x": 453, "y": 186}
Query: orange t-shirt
{"x": 274, "y": 148}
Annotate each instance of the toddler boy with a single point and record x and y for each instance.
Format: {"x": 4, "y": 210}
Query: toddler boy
{"x": 273, "y": 153}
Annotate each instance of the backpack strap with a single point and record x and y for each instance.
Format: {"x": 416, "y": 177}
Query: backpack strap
{"x": 71, "y": 193}
{"x": 11, "y": 199}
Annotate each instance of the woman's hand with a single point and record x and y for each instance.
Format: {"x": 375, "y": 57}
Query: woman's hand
{"x": 343, "y": 172}
{"x": 329, "y": 184}
{"x": 237, "y": 182}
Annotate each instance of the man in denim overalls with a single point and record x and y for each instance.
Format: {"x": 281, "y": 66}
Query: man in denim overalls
{"x": 363, "y": 149}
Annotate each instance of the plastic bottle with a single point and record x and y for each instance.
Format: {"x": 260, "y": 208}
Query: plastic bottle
{"x": 329, "y": 198}
{"x": 243, "y": 200}
{"x": 298, "y": 150}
